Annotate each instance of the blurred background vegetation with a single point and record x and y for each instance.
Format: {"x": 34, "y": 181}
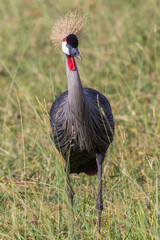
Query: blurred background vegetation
{"x": 120, "y": 50}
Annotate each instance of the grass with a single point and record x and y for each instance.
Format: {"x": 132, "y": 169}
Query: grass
{"x": 120, "y": 51}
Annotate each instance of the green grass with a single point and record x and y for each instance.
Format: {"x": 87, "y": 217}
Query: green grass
{"x": 120, "y": 51}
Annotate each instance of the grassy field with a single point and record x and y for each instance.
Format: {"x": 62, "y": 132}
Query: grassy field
{"x": 120, "y": 50}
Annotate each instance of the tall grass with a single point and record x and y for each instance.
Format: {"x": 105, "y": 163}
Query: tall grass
{"x": 120, "y": 51}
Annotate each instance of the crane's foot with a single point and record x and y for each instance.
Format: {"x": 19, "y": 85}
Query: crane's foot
{"x": 99, "y": 207}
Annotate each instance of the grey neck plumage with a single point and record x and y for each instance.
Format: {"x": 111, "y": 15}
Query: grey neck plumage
{"x": 77, "y": 110}
{"x": 76, "y": 98}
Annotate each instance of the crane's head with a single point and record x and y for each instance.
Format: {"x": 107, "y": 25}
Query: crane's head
{"x": 70, "y": 46}
{"x": 66, "y": 30}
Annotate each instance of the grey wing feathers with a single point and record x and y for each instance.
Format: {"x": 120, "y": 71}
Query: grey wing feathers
{"x": 101, "y": 123}
{"x": 94, "y": 97}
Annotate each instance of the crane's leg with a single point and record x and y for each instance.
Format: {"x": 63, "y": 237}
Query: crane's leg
{"x": 69, "y": 189}
{"x": 70, "y": 192}
{"x": 99, "y": 203}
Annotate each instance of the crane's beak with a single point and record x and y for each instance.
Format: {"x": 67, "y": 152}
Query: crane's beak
{"x": 78, "y": 56}
{"x": 75, "y": 53}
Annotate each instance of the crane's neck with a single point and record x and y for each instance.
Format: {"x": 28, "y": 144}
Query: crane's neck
{"x": 78, "y": 110}
{"x": 76, "y": 99}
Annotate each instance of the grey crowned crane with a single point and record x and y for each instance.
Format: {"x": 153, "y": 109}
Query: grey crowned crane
{"x": 81, "y": 118}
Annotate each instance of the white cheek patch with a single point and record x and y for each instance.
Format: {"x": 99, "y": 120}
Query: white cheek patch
{"x": 65, "y": 48}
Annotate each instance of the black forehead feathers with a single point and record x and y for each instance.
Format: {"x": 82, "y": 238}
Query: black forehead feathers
{"x": 72, "y": 40}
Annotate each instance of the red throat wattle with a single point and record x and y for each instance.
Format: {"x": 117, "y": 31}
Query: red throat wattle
{"x": 71, "y": 63}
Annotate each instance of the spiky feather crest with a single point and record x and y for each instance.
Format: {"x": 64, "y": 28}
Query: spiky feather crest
{"x": 71, "y": 23}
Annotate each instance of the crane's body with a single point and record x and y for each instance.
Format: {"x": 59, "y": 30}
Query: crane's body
{"x": 81, "y": 118}
{"x": 82, "y": 124}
